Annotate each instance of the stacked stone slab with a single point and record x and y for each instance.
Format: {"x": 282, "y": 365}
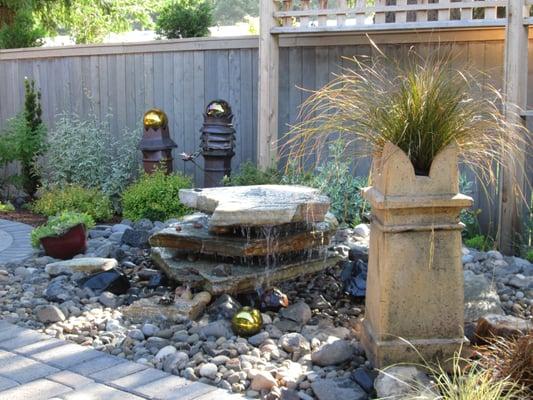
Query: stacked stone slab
{"x": 246, "y": 236}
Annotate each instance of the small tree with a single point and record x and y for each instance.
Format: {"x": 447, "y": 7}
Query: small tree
{"x": 184, "y": 19}
{"x": 20, "y": 30}
{"x": 31, "y": 146}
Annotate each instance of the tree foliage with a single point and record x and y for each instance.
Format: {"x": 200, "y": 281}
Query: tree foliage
{"x": 229, "y": 12}
{"x": 184, "y": 19}
{"x": 89, "y": 21}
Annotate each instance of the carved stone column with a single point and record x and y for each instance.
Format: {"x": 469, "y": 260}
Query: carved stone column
{"x": 415, "y": 275}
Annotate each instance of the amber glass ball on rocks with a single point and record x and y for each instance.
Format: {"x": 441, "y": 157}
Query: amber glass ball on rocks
{"x": 155, "y": 118}
{"x": 247, "y": 322}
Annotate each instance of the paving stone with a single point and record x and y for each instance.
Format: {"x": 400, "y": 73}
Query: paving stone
{"x": 22, "y": 369}
{"x": 138, "y": 378}
{"x": 117, "y": 372}
{"x": 21, "y": 339}
{"x": 36, "y": 390}
{"x": 10, "y": 331}
{"x": 97, "y": 364}
{"x": 70, "y": 379}
{"x": 67, "y": 355}
{"x": 173, "y": 387}
{"x": 38, "y": 347}
{"x": 99, "y": 391}
{"x": 6, "y": 383}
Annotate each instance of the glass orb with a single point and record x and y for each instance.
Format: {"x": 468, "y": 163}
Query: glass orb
{"x": 218, "y": 109}
{"x": 247, "y": 322}
{"x": 155, "y": 118}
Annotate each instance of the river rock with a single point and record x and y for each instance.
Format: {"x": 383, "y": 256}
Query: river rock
{"x": 87, "y": 265}
{"x": 298, "y": 312}
{"x": 333, "y": 353}
{"x": 149, "y": 309}
{"x": 481, "y": 297}
{"x": 294, "y": 342}
{"x": 492, "y": 325}
{"x": 48, "y": 313}
{"x": 401, "y": 382}
{"x": 337, "y": 389}
{"x": 225, "y": 306}
{"x": 260, "y": 205}
{"x": 217, "y": 329}
{"x": 209, "y": 370}
{"x": 263, "y": 381}
{"x": 195, "y": 307}
{"x": 136, "y": 238}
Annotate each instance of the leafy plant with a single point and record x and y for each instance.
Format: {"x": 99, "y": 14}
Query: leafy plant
{"x": 6, "y": 207}
{"x": 420, "y": 104}
{"x": 24, "y": 139}
{"x": 479, "y": 242}
{"x": 469, "y": 217}
{"x": 249, "y": 174}
{"x": 22, "y": 29}
{"x": 75, "y": 199}
{"x": 155, "y": 197}
{"x": 335, "y": 179}
{"x": 59, "y": 225}
{"x": 185, "y": 19}
{"x": 229, "y": 12}
{"x": 86, "y": 153}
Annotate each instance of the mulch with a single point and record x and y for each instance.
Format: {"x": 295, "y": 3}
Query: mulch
{"x": 25, "y": 217}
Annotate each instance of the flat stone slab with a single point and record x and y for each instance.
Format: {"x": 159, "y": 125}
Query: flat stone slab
{"x": 15, "y": 242}
{"x": 192, "y": 235}
{"x": 261, "y": 205}
{"x": 239, "y": 278}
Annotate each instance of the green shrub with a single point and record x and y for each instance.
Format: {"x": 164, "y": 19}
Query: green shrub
{"x": 480, "y": 242}
{"x": 6, "y": 207}
{"x": 155, "y": 197}
{"x": 249, "y": 174}
{"x": 60, "y": 224}
{"x": 87, "y": 153}
{"x": 529, "y": 255}
{"x": 74, "y": 199}
{"x": 23, "y": 140}
{"x": 185, "y": 19}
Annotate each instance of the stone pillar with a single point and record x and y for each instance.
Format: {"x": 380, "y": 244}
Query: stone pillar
{"x": 415, "y": 275}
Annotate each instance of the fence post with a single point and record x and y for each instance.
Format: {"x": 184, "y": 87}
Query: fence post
{"x": 515, "y": 86}
{"x": 268, "y": 86}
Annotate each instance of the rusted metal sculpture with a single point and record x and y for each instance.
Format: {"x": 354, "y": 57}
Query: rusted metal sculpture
{"x": 156, "y": 144}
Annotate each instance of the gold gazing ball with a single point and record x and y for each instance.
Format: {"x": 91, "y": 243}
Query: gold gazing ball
{"x": 247, "y": 322}
{"x": 155, "y": 118}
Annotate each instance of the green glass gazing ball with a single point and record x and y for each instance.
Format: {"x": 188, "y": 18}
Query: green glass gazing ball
{"x": 247, "y": 322}
{"x": 155, "y": 118}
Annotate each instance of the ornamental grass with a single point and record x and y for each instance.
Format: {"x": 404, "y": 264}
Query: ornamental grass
{"x": 421, "y": 104}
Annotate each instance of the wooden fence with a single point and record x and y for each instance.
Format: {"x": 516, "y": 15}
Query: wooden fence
{"x": 181, "y": 77}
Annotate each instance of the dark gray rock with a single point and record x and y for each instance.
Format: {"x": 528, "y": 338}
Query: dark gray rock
{"x": 365, "y": 378}
{"x": 143, "y": 225}
{"x": 136, "y": 238}
{"x": 299, "y": 312}
{"x": 333, "y": 353}
{"x": 225, "y": 306}
{"x": 216, "y": 329}
{"x": 58, "y": 290}
{"x": 336, "y": 389}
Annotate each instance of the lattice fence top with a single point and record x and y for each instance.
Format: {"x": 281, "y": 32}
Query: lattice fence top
{"x": 324, "y": 15}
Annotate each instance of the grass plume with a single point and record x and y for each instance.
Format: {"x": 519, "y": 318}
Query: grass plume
{"x": 421, "y": 104}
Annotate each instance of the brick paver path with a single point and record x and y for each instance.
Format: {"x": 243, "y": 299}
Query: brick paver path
{"x": 14, "y": 241}
{"x": 35, "y": 366}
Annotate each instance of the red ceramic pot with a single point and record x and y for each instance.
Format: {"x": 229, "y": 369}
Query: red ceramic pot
{"x": 66, "y": 246}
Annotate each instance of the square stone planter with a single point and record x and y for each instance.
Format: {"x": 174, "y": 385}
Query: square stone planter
{"x": 415, "y": 293}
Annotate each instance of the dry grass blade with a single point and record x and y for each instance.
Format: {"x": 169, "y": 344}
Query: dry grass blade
{"x": 510, "y": 358}
{"x": 421, "y": 104}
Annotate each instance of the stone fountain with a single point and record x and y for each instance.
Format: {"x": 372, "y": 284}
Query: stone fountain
{"x": 246, "y": 237}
